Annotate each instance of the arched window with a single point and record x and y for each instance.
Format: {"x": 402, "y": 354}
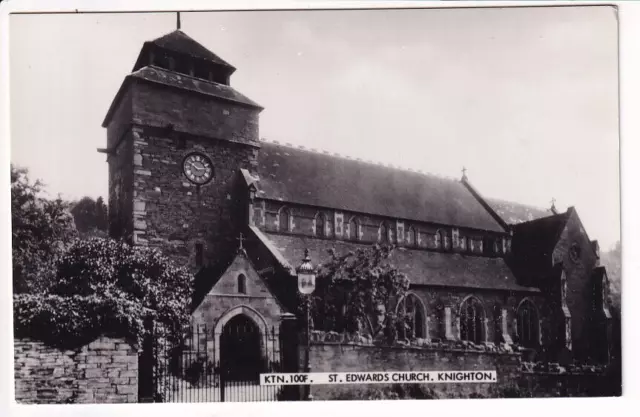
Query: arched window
{"x": 411, "y": 237}
{"x": 472, "y": 320}
{"x": 383, "y": 234}
{"x": 497, "y": 324}
{"x": 353, "y": 229}
{"x": 284, "y": 220}
{"x": 413, "y": 311}
{"x": 242, "y": 284}
{"x": 441, "y": 239}
{"x": 528, "y": 324}
{"x": 445, "y": 239}
{"x": 320, "y": 228}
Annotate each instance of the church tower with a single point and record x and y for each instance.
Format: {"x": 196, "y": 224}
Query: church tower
{"x": 178, "y": 135}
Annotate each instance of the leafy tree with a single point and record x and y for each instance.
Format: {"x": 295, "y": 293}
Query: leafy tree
{"x": 41, "y": 228}
{"x": 103, "y": 286}
{"x": 612, "y": 260}
{"x": 357, "y": 291}
{"x": 90, "y": 216}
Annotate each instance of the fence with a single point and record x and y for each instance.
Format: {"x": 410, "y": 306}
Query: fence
{"x": 205, "y": 366}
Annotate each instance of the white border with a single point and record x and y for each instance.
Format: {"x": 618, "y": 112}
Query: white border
{"x": 629, "y": 18}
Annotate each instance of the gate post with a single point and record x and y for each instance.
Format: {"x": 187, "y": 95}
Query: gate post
{"x": 147, "y": 365}
{"x": 289, "y": 351}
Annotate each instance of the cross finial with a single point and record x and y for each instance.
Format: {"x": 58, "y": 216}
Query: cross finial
{"x": 240, "y": 239}
{"x": 464, "y": 173}
{"x": 178, "y": 21}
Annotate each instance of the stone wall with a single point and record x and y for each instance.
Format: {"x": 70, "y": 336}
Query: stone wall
{"x": 347, "y": 357}
{"x": 104, "y": 371}
{"x": 580, "y": 288}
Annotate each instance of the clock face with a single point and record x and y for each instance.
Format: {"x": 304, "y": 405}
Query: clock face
{"x": 197, "y": 168}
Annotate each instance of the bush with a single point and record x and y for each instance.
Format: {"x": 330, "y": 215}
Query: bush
{"x": 103, "y": 286}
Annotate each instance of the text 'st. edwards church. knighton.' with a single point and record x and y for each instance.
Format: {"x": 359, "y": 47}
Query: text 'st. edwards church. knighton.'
{"x": 189, "y": 175}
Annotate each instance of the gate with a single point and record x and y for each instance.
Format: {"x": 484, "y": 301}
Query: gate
{"x": 205, "y": 366}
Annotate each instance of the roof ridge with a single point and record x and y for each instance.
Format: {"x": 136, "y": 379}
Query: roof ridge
{"x": 325, "y": 152}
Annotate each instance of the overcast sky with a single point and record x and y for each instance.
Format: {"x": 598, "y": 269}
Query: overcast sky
{"x": 526, "y": 99}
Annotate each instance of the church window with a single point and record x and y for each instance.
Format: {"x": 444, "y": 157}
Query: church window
{"x": 320, "y": 226}
{"x": 199, "y": 254}
{"x": 472, "y": 320}
{"x": 284, "y": 219}
{"x": 353, "y": 229}
{"x": 242, "y": 284}
{"x": 414, "y": 314}
{"x": 488, "y": 246}
{"x": 442, "y": 242}
{"x": 527, "y": 324}
{"x": 497, "y": 324}
{"x": 574, "y": 252}
{"x": 411, "y": 237}
{"x": 383, "y": 234}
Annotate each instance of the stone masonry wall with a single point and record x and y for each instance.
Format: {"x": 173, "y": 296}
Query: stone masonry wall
{"x": 580, "y": 289}
{"x": 104, "y": 371}
{"x": 361, "y": 358}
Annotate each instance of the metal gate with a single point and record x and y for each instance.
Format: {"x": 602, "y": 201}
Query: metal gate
{"x": 209, "y": 366}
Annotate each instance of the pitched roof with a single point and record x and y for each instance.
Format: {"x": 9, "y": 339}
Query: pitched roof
{"x": 514, "y": 213}
{"x": 178, "y": 41}
{"x": 421, "y": 267}
{"x": 534, "y": 241}
{"x": 169, "y": 78}
{"x": 542, "y": 233}
{"x": 313, "y": 178}
{"x": 198, "y": 85}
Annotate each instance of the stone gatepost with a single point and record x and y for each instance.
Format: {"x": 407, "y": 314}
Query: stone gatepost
{"x": 289, "y": 353}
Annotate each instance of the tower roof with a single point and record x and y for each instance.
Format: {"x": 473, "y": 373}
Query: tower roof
{"x": 178, "y": 41}
{"x": 182, "y": 46}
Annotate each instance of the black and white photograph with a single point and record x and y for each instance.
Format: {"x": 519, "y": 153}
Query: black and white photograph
{"x": 314, "y": 205}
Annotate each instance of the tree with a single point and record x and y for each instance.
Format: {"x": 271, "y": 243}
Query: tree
{"x": 41, "y": 229}
{"x": 357, "y": 291}
{"x": 612, "y": 260}
{"x": 103, "y": 286}
{"x": 90, "y": 216}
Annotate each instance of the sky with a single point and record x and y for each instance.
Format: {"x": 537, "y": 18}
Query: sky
{"x": 526, "y": 99}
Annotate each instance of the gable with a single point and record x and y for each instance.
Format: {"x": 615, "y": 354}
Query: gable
{"x": 227, "y": 284}
{"x": 573, "y": 234}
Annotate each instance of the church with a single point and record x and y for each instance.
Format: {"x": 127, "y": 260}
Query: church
{"x": 189, "y": 175}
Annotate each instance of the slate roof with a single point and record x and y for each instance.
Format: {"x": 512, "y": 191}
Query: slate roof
{"x": 306, "y": 177}
{"x": 534, "y": 241}
{"x": 166, "y": 77}
{"x": 175, "y": 79}
{"x": 514, "y": 213}
{"x": 422, "y": 267}
{"x": 178, "y": 41}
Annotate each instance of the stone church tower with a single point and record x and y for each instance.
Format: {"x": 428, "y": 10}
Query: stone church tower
{"x": 178, "y": 136}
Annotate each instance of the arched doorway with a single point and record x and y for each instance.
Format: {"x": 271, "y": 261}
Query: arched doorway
{"x": 240, "y": 350}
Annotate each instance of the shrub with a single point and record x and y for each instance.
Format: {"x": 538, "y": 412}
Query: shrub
{"x": 103, "y": 286}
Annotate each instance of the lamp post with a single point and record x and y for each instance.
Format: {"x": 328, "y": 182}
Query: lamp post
{"x": 306, "y": 286}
